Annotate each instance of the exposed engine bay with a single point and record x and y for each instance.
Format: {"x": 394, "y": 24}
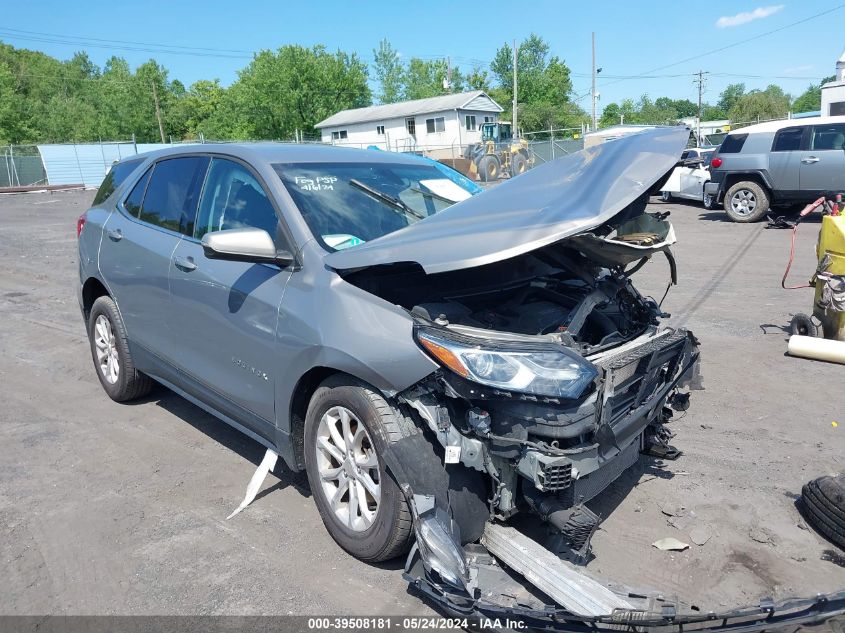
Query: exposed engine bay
{"x": 555, "y": 377}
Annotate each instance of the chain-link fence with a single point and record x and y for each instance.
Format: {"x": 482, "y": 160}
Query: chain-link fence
{"x": 21, "y": 166}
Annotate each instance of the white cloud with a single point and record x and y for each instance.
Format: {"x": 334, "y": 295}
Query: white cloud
{"x": 748, "y": 16}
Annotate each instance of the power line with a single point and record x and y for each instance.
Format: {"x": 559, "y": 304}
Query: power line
{"x": 745, "y": 41}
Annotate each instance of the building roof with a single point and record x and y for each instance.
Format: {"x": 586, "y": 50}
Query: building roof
{"x": 474, "y": 100}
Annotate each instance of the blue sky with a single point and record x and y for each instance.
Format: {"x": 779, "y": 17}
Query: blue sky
{"x": 633, "y": 38}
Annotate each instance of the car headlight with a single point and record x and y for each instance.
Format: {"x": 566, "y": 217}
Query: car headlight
{"x": 558, "y": 373}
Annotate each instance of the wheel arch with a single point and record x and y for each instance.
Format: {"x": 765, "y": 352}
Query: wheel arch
{"x": 755, "y": 176}
{"x": 92, "y": 290}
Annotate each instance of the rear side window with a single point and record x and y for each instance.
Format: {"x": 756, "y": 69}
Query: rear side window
{"x": 788, "y": 139}
{"x": 171, "y": 198}
{"x": 830, "y": 136}
{"x": 117, "y": 174}
{"x": 733, "y": 143}
{"x": 132, "y": 204}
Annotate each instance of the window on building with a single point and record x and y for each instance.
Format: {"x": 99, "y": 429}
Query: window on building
{"x": 470, "y": 122}
{"x": 432, "y": 126}
{"x": 380, "y": 130}
{"x": 826, "y": 137}
{"x": 233, "y": 199}
{"x": 788, "y": 139}
{"x": 488, "y": 119}
{"x": 411, "y": 125}
{"x": 172, "y": 195}
{"x": 339, "y": 135}
{"x": 837, "y": 109}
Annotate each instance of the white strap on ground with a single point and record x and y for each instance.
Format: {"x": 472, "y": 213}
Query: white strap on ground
{"x": 558, "y": 579}
{"x": 267, "y": 464}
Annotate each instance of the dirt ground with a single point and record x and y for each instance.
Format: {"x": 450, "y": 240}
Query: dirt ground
{"x": 120, "y": 509}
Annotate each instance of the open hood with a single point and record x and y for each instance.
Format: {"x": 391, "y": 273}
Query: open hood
{"x": 559, "y": 199}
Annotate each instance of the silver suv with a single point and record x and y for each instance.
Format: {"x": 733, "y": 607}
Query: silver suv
{"x": 785, "y": 162}
{"x": 415, "y": 348}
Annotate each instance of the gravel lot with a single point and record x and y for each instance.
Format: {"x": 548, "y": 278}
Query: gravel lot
{"x": 120, "y": 509}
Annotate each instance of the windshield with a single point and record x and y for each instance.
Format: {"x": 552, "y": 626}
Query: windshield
{"x": 347, "y": 204}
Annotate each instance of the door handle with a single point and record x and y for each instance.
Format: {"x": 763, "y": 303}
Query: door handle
{"x": 809, "y": 160}
{"x": 115, "y": 235}
{"x": 185, "y": 264}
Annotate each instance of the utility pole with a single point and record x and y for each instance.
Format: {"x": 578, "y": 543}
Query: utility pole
{"x": 158, "y": 112}
{"x": 593, "y": 91}
{"x": 700, "y": 81}
{"x": 515, "y": 127}
{"x": 448, "y": 85}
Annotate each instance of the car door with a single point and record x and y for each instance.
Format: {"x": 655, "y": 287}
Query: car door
{"x": 823, "y": 163}
{"x": 138, "y": 242}
{"x": 785, "y": 161}
{"x": 225, "y": 313}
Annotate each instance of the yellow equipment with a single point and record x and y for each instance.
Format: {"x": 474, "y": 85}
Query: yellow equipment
{"x": 829, "y": 303}
{"x": 498, "y": 153}
{"x": 829, "y": 280}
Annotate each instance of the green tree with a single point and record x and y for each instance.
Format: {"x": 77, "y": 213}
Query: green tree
{"x": 427, "y": 78}
{"x": 389, "y": 72}
{"x": 729, "y": 96}
{"x": 289, "y": 89}
{"x": 760, "y": 105}
{"x": 811, "y": 99}
{"x": 197, "y": 105}
{"x": 544, "y": 86}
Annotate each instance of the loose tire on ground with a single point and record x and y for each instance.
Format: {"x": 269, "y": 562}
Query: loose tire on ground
{"x": 518, "y": 164}
{"x": 488, "y": 169}
{"x": 746, "y": 201}
{"x": 823, "y": 505}
{"x": 389, "y": 533}
{"x": 803, "y": 325}
{"x": 106, "y": 332}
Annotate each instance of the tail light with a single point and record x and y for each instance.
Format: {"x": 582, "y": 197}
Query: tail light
{"x": 79, "y": 224}
{"x": 716, "y": 162}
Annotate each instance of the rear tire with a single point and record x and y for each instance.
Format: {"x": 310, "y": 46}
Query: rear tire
{"x": 110, "y": 352}
{"x": 371, "y": 527}
{"x": 665, "y": 196}
{"x": 488, "y": 168}
{"x": 709, "y": 201}
{"x": 803, "y": 325}
{"x": 746, "y": 202}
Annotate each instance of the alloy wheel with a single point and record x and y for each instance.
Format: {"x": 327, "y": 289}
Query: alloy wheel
{"x": 348, "y": 468}
{"x": 107, "y": 357}
{"x": 743, "y": 202}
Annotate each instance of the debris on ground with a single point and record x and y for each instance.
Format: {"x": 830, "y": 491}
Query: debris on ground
{"x": 761, "y": 535}
{"x": 673, "y": 510}
{"x": 670, "y": 544}
{"x": 700, "y": 534}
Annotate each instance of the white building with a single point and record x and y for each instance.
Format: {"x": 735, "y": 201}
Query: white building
{"x": 833, "y": 93}
{"x": 438, "y": 123}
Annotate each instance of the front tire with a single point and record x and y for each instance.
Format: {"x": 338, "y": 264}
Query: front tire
{"x": 746, "y": 201}
{"x": 519, "y": 164}
{"x": 709, "y": 201}
{"x": 110, "y": 352}
{"x": 364, "y": 511}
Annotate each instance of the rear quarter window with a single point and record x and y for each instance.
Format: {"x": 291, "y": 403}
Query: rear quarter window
{"x": 733, "y": 143}
{"x": 117, "y": 174}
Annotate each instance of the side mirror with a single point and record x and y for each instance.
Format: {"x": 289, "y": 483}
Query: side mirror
{"x": 244, "y": 245}
{"x": 693, "y": 162}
